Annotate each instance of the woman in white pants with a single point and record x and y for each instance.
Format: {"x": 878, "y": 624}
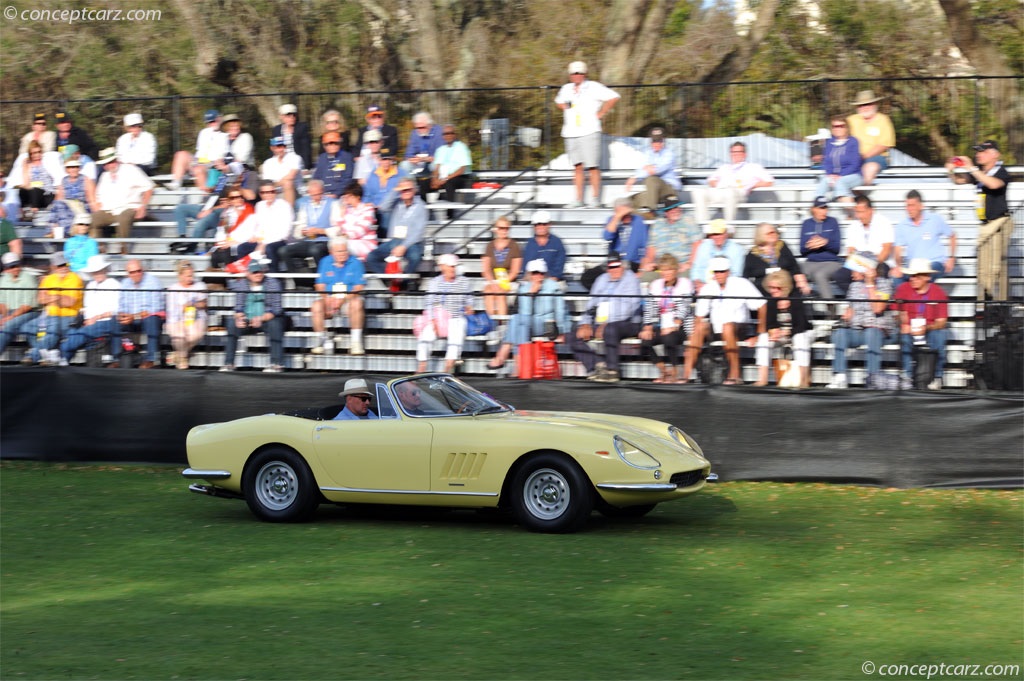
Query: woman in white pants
{"x": 449, "y": 300}
{"x": 783, "y": 323}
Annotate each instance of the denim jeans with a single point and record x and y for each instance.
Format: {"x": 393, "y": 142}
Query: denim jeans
{"x": 935, "y": 339}
{"x": 83, "y": 335}
{"x": 873, "y": 337}
{"x": 413, "y": 255}
{"x": 27, "y": 324}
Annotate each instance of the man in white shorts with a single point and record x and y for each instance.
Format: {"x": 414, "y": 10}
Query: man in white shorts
{"x": 584, "y": 103}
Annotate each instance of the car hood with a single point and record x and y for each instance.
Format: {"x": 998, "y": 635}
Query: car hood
{"x": 641, "y": 431}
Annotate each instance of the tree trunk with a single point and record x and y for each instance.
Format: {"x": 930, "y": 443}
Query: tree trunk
{"x": 735, "y": 62}
{"x": 1004, "y": 95}
{"x": 632, "y": 38}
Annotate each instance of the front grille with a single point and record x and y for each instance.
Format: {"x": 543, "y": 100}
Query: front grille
{"x": 688, "y": 478}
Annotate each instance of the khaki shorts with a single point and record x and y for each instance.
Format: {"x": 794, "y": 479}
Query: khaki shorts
{"x": 585, "y": 151}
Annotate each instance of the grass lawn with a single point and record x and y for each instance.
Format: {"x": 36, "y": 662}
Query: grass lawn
{"x": 117, "y": 572}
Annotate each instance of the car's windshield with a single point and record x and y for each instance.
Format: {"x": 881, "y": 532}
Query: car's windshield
{"x": 443, "y": 396}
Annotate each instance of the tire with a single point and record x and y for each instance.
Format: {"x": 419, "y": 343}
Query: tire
{"x": 551, "y": 494}
{"x": 279, "y": 487}
{"x": 609, "y": 511}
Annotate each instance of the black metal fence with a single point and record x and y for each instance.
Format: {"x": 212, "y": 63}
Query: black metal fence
{"x": 933, "y": 116}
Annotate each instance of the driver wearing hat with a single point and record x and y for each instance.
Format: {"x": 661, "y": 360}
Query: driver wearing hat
{"x": 358, "y": 396}
{"x": 874, "y": 133}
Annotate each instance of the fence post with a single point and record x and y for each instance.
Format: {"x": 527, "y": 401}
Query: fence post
{"x": 175, "y": 124}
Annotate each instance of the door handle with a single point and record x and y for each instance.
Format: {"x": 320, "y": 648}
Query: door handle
{"x": 319, "y": 428}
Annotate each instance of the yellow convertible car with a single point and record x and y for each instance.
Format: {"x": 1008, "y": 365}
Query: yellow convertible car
{"x": 433, "y": 440}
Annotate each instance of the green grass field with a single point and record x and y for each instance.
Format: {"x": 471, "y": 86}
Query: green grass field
{"x": 117, "y": 572}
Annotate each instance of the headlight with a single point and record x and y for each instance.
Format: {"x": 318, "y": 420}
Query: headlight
{"x": 634, "y": 456}
{"x": 682, "y": 438}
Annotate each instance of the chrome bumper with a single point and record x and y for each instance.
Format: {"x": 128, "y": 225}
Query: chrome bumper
{"x": 211, "y": 491}
{"x": 193, "y": 474}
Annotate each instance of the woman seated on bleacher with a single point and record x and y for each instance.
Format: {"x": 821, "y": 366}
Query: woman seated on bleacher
{"x": 235, "y": 232}
{"x": 783, "y": 330}
{"x": 771, "y": 254}
{"x": 75, "y": 194}
{"x": 541, "y": 312}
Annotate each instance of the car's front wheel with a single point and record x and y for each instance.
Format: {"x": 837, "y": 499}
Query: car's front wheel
{"x": 551, "y": 494}
{"x": 279, "y": 487}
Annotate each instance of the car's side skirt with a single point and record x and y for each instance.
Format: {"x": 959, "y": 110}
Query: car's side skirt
{"x": 358, "y": 490}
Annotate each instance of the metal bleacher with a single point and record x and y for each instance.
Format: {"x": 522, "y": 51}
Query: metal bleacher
{"x": 388, "y": 339}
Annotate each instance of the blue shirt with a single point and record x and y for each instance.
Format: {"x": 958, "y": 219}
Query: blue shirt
{"x": 352, "y": 273}
{"x": 622, "y": 298}
{"x": 633, "y": 247}
{"x": 733, "y": 251}
{"x": 419, "y": 144}
{"x": 148, "y": 296}
{"x": 924, "y": 240}
{"x": 334, "y": 171}
{"x": 553, "y": 254}
{"x": 410, "y": 220}
{"x": 827, "y": 228}
{"x": 347, "y": 415}
{"x": 664, "y": 163}
{"x": 318, "y": 216}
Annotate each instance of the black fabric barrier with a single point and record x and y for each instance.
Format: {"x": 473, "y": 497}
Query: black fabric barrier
{"x": 910, "y": 439}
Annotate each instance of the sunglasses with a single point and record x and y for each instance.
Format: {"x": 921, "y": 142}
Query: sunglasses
{"x": 327, "y": 144}
{"x": 134, "y": 271}
{"x": 363, "y": 398}
{"x": 839, "y": 125}
{"x": 376, "y": 115}
{"x": 268, "y": 191}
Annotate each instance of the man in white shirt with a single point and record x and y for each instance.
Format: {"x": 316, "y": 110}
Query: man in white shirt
{"x": 122, "y": 196}
{"x": 283, "y": 169}
{"x": 726, "y": 301}
{"x": 211, "y": 145}
{"x": 136, "y": 146}
{"x": 869, "y": 233}
{"x": 99, "y": 311}
{"x": 274, "y": 219}
{"x": 452, "y": 165}
{"x": 730, "y": 185}
{"x": 584, "y": 103}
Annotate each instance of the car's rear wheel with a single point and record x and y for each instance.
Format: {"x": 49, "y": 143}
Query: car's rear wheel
{"x": 609, "y": 511}
{"x": 551, "y": 494}
{"x": 279, "y": 487}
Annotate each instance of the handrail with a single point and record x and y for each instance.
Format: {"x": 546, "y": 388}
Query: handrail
{"x": 432, "y": 239}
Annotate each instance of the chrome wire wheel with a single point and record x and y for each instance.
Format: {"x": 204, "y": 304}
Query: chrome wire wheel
{"x": 546, "y": 494}
{"x": 277, "y": 485}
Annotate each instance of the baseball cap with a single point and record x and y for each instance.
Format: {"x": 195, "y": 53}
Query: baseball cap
{"x": 62, "y": 117}
{"x": 657, "y": 135}
{"x": 373, "y": 109}
{"x": 39, "y": 117}
{"x": 277, "y": 141}
{"x": 372, "y": 136}
{"x": 57, "y": 259}
{"x": 720, "y": 264}
{"x": 449, "y": 259}
{"x": 211, "y": 115}
{"x": 287, "y": 109}
{"x": 70, "y": 150}
{"x": 820, "y": 202}
{"x": 83, "y": 219}
{"x": 132, "y": 119}
{"x": 257, "y": 266}
{"x": 577, "y": 67}
{"x": 538, "y": 265}
{"x": 10, "y": 259}
{"x": 717, "y": 226}
{"x": 986, "y": 145}
{"x": 330, "y": 137}
{"x": 540, "y": 217}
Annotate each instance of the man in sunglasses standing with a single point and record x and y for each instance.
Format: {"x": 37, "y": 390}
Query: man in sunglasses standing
{"x": 584, "y": 103}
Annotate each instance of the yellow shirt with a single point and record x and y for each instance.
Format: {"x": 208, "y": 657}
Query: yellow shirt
{"x": 69, "y": 285}
{"x": 877, "y": 131}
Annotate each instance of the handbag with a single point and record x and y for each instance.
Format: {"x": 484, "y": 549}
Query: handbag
{"x": 239, "y": 266}
{"x": 479, "y": 324}
{"x": 440, "y": 315}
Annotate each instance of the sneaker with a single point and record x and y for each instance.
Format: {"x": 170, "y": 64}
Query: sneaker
{"x": 27, "y": 360}
{"x": 318, "y": 350}
{"x": 936, "y": 384}
{"x": 838, "y": 382}
{"x": 357, "y": 348}
{"x": 608, "y": 376}
{"x": 273, "y": 369}
{"x": 574, "y": 204}
{"x": 906, "y": 383}
{"x": 227, "y": 368}
{"x": 62, "y": 363}
{"x": 107, "y": 359}
{"x": 593, "y": 203}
